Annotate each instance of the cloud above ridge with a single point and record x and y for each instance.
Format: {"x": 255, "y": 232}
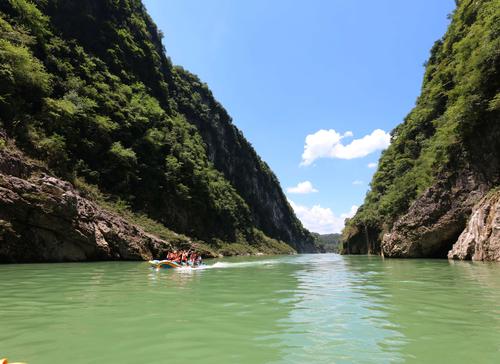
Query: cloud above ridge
{"x": 328, "y": 144}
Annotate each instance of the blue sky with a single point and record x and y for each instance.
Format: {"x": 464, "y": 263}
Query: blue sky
{"x": 336, "y": 70}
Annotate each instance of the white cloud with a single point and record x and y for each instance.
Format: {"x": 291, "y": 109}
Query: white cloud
{"x": 302, "y": 188}
{"x": 320, "y": 219}
{"x": 372, "y": 165}
{"x": 328, "y": 144}
{"x": 357, "y": 182}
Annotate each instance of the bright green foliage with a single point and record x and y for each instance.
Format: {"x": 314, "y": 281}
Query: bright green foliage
{"x": 31, "y": 17}
{"x": 86, "y": 86}
{"x": 124, "y": 156}
{"x": 23, "y": 79}
{"x": 455, "y": 123}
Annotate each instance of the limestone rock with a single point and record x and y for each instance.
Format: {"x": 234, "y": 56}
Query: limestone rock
{"x": 435, "y": 220}
{"x": 481, "y": 238}
{"x": 43, "y": 218}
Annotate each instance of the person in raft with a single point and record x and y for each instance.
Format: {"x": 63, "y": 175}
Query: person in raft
{"x": 195, "y": 259}
{"x": 184, "y": 257}
{"x": 172, "y": 256}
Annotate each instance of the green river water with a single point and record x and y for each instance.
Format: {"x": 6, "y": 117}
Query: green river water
{"x": 287, "y": 309}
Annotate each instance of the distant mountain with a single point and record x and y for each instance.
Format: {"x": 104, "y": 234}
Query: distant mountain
{"x": 329, "y": 243}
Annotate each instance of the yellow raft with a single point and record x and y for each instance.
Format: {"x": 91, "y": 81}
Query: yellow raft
{"x": 5, "y": 361}
{"x": 165, "y": 264}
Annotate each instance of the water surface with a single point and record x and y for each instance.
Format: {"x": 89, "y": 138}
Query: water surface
{"x": 288, "y": 309}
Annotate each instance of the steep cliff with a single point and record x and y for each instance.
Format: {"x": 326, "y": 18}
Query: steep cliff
{"x": 445, "y": 156}
{"x": 231, "y": 154}
{"x": 86, "y": 87}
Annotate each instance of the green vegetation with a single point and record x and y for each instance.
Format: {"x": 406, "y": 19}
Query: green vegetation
{"x": 86, "y": 88}
{"x": 262, "y": 192}
{"x": 454, "y": 125}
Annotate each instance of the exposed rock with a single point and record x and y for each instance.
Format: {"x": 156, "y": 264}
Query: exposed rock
{"x": 481, "y": 238}
{"x": 435, "y": 220}
{"x": 43, "y": 218}
{"x": 361, "y": 240}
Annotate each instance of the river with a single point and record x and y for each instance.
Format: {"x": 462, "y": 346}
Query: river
{"x": 287, "y": 309}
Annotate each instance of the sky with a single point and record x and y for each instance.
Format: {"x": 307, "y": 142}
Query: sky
{"x": 316, "y": 86}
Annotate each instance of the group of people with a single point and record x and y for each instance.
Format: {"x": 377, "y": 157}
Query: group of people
{"x": 185, "y": 257}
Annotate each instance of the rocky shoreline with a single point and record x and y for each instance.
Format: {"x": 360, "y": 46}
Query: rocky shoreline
{"x": 45, "y": 219}
{"x": 461, "y": 221}
{"x": 481, "y": 238}
{"x": 435, "y": 220}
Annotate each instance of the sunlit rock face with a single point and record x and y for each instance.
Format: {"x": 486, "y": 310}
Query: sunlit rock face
{"x": 435, "y": 220}
{"x": 45, "y": 219}
{"x": 481, "y": 238}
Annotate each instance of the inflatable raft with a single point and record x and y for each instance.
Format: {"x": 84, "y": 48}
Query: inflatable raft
{"x": 166, "y": 264}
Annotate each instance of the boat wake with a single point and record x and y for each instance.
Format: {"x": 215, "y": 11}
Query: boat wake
{"x": 223, "y": 265}
{"x": 242, "y": 264}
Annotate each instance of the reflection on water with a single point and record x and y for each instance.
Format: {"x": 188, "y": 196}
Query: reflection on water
{"x": 336, "y": 315}
{"x": 292, "y": 309}
{"x": 446, "y": 311}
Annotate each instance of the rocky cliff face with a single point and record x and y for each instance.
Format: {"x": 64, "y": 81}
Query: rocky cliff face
{"x": 45, "y": 219}
{"x": 360, "y": 239}
{"x": 435, "y": 220}
{"x": 481, "y": 238}
{"x": 445, "y": 157}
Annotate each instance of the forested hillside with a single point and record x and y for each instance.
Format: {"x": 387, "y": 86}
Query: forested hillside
{"x": 86, "y": 88}
{"x": 446, "y": 154}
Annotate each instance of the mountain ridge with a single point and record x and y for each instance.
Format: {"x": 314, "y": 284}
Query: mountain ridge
{"x": 88, "y": 89}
